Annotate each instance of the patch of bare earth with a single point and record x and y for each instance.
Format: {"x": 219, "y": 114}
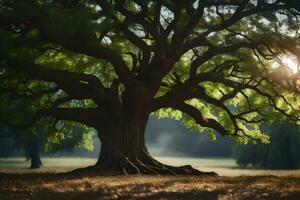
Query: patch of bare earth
{"x": 60, "y": 187}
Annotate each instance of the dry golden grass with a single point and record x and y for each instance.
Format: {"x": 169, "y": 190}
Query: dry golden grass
{"x": 45, "y": 183}
{"x": 62, "y": 186}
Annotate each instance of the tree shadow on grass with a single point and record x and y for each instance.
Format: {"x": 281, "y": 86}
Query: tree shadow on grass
{"x": 133, "y": 194}
{"x": 191, "y": 195}
{"x": 60, "y": 187}
{"x": 144, "y": 191}
{"x": 165, "y": 195}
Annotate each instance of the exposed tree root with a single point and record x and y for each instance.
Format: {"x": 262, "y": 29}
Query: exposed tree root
{"x": 138, "y": 167}
{"x": 116, "y": 163}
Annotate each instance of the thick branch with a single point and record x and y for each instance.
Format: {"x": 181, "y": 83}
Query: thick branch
{"x": 200, "y": 119}
{"x": 77, "y": 85}
{"x": 240, "y": 14}
{"x": 88, "y": 116}
{"x": 83, "y": 41}
{"x": 214, "y": 51}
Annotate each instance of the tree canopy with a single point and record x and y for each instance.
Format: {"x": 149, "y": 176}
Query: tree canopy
{"x": 108, "y": 64}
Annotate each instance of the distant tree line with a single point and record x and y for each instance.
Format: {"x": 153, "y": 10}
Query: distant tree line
{"x": 283, "y": 152}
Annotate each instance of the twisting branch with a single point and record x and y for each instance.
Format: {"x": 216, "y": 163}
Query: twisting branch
{"x": 77, "y": 85}
{"x": 88, "y": 116}
{"x": 214, "y": 51}
{"x": 200, "y": 119}
{"x": 156, "y": 49}
{"x": 136, "y": 18}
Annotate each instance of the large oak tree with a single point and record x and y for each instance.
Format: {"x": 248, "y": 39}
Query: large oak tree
{"x": 109, "y": 64}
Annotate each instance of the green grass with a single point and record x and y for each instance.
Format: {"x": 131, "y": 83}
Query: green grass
{"x": 50, "y": 165}
{"x": 47, "y": 162}
{"x": 199, "y": 162}
{"x": 76, "y": 162}
{"x": 223, "y": 166}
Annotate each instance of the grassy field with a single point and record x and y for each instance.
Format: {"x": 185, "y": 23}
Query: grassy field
{"x": 50, "y": 165}
{"x": 19, "y": 182}
{"x": 223, "y": 166}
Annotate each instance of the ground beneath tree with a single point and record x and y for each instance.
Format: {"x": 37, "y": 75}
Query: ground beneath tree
{"x": 58, "y": 186}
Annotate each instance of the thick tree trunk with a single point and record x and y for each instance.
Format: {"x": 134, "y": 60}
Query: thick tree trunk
{"x": 123, "y": 151}
{"x": 123, "y": 147}
{"x": 122, "y": 136}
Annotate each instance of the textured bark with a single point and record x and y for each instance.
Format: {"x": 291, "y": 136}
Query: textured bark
{"x": 121, "y": 132}
{"x": 123, "y": 144}
{"x": 123, "y": 151}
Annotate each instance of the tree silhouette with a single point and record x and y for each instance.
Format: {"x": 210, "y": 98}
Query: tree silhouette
{"x": 110, "y": 64}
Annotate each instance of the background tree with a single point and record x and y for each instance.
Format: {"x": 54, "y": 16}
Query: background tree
{"x": 44, "y": 135}
{"x": 40, "y": 139}
{"x": 281, "y": 153}
{"x": 13, "y": 140}
{"x": 110, "y": 64}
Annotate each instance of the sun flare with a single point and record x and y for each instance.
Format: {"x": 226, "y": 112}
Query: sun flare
{"x": 291, "y": 62}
